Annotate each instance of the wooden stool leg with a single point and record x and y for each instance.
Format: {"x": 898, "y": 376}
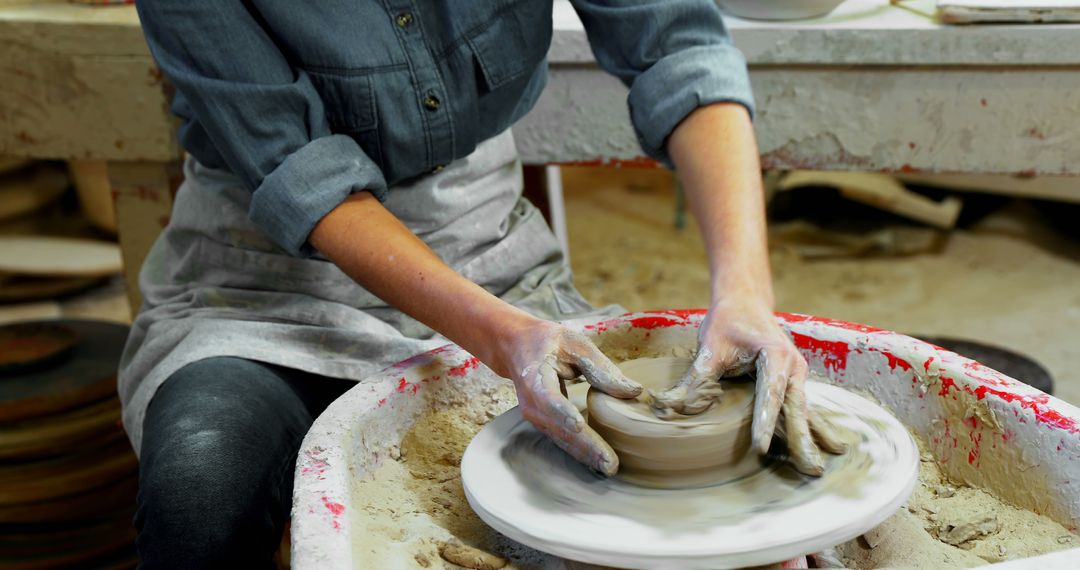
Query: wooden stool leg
{"x": 143, "y": 197}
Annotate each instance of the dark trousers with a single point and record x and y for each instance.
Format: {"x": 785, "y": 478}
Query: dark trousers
{"x": 220, "y": 440}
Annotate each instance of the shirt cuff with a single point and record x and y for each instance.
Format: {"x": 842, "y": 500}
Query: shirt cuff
{"x": 677, "y": 84}
{"x": 307, "y": 185}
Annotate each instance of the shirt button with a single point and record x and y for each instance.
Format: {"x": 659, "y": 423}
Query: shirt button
{"x": 432, "y": 102}
{"x": 403, "y": 19}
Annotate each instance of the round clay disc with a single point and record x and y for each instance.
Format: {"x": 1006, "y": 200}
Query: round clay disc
{"x": 523, "y": 486}
{"x": 87, "y": 374}
{"x": 24, "y": 346}
{"x": 58, "y": 257}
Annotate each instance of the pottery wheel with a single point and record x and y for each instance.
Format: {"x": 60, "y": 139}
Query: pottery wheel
{"x": 523, "y": 486}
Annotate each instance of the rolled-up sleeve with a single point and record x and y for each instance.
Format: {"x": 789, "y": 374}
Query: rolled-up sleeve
{"x": 262, "y": 115}
{"x": 675, "y": 55}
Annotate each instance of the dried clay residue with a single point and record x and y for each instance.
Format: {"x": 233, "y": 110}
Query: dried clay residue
{"x": 414, "y": 507}
{"x": 413, "y": 513}
{"x": 945, "y": 525}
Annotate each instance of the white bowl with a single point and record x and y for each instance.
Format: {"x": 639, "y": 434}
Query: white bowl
{"x": 778, "y": 9}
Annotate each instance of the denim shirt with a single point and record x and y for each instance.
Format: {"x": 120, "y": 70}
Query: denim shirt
{"x": 308, "y": 102}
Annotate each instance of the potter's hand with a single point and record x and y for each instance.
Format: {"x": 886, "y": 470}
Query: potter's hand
{"x": 539, "y": 361}
{"x": 735, "y": 339}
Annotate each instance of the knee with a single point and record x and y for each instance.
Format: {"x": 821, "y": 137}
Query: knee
{"x": 215, "y": 473}
{"x": 196, "y": 509}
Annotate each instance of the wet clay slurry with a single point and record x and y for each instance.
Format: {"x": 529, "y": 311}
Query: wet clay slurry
{"x": 688, "y": 451}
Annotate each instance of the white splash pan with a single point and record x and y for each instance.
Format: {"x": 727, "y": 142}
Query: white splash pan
{"x": 984, "y": 428}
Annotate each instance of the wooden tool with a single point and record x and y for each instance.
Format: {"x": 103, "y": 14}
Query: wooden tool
{"x": 881, "y": 191}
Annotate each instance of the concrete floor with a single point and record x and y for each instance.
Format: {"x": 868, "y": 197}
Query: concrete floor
{"x": 1009, "y": 280}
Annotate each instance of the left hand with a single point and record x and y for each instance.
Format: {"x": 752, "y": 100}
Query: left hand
{"x": 739, "y": 336}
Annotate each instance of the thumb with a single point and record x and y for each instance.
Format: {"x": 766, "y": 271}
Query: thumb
{"x": 601, "y": 372}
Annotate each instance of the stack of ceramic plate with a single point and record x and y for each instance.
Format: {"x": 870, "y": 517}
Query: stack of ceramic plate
{"x": 37, "y": 268}
{"x": 67, "y": 473}
{"x": 27, "y": 187}
{"x": 34, "y": 269}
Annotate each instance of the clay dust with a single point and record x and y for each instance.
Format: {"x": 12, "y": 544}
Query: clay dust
{"x": 415, "y": 511}
{"x": 415, "y": 514}
{"x": 945, "y": 525}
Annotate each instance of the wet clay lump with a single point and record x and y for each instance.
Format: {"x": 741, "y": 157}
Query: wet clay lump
{"x": 688, "y": 451}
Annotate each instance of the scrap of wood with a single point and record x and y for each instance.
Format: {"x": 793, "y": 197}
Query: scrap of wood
{"x": 469, "y": 557}
{"x": 1061, "y": 188}
{"x": 882, "y": 191}
{"x": 1015, "y": 11}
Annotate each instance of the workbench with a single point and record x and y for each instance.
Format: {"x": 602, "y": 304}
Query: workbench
{"x": 871, "y": 87}
{"x": 79, "y": 83}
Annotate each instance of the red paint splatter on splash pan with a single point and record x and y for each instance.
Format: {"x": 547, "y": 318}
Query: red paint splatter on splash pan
{"x": 834, "y": 353}
{"x": 650, "y": 321}
{"x": 335, "y": 508}
{"x": 1036, "y": 403}
{"x": 463, "y": 369}
{"x": 797, "y": 318}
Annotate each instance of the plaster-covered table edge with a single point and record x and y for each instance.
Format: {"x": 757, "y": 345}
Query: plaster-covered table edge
{"x": 871, "y": 87}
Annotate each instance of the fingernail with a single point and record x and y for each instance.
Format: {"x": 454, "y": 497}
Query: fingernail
{"x": 608, "y": 466}
{"x": 814, "y": 468}
{"x": 762, "y": 440}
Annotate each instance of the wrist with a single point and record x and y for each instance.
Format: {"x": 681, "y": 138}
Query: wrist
{"x": 498, "y": 337}
{"x": 748, "y": 296}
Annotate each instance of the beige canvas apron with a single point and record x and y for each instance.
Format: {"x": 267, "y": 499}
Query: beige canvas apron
{"x": 213, "y": 285}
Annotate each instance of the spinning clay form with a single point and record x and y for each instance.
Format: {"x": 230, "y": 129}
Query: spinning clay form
{"x": 683, "y": 452}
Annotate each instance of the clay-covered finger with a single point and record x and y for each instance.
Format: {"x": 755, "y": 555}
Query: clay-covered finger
{"x": 825, "y": 435}
{"x": 586, "y": 447}
{"x": 551, "y": 401}
{"x": 770, "y": 387}
{"x": 602, "y": 373}
{"x": 695, "y": 392}
{"x": 805, "y": 456}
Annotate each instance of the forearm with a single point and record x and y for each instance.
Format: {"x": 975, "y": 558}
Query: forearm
{"x": 374, "y": 248}
{"x": 715, "y": 153}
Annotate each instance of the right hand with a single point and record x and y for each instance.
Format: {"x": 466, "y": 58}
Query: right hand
{"x": 538, "y": 360}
